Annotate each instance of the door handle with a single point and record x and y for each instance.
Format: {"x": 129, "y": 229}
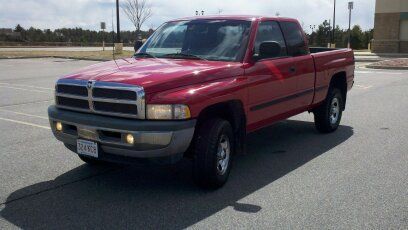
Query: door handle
{"x": 292, "y": 69}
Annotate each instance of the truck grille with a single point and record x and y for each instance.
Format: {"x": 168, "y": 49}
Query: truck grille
{"x": 105, "y": 98}
{"x": 71, "y": 102}
{"x": 72, "y": 89}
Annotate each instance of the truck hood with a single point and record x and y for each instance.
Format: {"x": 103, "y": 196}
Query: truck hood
{"x": 155, "y": 74}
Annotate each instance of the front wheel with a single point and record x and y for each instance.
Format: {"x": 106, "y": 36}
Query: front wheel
{"x": 328, "y": 115}
{"x": 213, "y": 153}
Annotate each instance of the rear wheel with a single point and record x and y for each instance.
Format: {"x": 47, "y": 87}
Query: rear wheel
{"x": 328, "y": 115}
{"x": 213, "y": 153}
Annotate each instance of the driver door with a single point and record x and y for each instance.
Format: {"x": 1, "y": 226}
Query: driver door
{"x": 272, "y": 81}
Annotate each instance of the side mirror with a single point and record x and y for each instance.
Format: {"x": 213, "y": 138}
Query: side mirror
{"x": 138, "y": 44}
{"x": 269, "y": 49}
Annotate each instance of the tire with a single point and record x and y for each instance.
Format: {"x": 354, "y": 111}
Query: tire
{"x": 328, "y": 115}
{"x": 213, "y": 151}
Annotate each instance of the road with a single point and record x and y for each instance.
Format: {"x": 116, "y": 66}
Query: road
{"x": 292, "y": 178}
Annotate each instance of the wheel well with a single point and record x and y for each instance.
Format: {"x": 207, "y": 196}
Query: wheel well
{"x": 232, "y": 111}
{"x": 339, "y": 81}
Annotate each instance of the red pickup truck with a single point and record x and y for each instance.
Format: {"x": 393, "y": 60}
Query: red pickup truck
{"x": 196, "y": 88}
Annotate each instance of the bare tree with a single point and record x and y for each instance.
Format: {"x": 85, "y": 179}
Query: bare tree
{"x": 138, "y": 11}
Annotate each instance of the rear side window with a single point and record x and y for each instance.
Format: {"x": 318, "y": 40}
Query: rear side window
{"x": 269, "y": 31}
{"x": 294, "y": 39}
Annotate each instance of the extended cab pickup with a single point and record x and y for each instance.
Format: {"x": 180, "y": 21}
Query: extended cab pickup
{"x": 196, "y": 88}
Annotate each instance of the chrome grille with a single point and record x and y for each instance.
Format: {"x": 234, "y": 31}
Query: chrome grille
{"x": 105, "y": 98}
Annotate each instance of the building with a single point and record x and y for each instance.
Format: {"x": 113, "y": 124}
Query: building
{"x": 391, "y": 26}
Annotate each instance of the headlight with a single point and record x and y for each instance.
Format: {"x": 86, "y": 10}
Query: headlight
{"x": 168, "y": 112}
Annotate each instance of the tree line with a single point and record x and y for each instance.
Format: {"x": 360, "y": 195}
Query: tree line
{"x": 319, "y": 38}
{"x": 69, "y": 35}
{"x": 323, "y": 35}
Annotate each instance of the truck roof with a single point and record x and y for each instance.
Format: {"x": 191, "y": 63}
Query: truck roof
{"x": 236, "y": 17}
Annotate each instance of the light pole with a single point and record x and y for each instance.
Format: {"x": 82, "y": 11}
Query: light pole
{"x": 350, "y": 7}
{"x": 118, "y": 45}
{"x": 329, "y": 35}
{"x": 117, "y": 22}
{"x": 103, "y": 27}
{"x": 334, "y": 22}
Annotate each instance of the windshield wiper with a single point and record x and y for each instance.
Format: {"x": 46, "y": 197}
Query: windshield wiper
{"x": 146, "y": 55}
{"x": 183, "y": 55}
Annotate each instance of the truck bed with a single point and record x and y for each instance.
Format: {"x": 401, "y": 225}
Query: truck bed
{"x": 329, "y": 62}
{"x": 322, "y": 49}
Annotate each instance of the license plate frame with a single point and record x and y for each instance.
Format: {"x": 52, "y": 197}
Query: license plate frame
{"x": 87, "y": 148}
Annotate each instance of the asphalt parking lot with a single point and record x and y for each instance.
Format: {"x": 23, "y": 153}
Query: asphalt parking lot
{"x": 292, "y": 178}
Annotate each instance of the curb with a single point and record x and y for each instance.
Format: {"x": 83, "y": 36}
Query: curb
{"x": 382, "y": 55}
{"x": 387, "y": 67}
{"x": 369, "y": 60}
{"x": 62, "y": 57}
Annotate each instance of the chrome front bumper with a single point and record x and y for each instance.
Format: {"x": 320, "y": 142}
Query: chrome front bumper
{"x": 153, "y": 139}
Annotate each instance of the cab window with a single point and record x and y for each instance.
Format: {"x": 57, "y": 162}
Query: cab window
{"x": 294, "y": 39}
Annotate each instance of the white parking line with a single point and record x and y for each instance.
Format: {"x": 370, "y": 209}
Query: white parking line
{"x": 376, "y": 72}
{"x": 27, "y": 103}
{"x": 31, "y": 90}
{"x": 29, "y": 86}
{"x": 25, "y": 123}
{"x": 364, "y": 87}
{"x": 24, "y": 114}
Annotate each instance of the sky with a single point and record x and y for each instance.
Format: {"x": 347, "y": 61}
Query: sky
{"x": 87, "y": 14}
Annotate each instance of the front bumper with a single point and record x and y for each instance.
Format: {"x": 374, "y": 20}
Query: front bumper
{"x": 153, "y": 139}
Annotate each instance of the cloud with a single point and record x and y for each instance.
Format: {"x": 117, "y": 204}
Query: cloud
{"x": 89, "y": 13}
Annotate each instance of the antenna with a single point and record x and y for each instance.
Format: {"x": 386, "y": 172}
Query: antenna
{"x": 113, "y": 40}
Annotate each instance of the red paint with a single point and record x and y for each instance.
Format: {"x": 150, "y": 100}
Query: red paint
{"x": 200, "y": 83}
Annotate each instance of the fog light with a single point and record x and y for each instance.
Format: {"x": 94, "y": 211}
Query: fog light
{"x": 58, "y": 126}
{"x": 130, "y": 139}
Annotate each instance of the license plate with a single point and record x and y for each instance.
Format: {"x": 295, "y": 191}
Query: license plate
{"x": 87, "y": 148}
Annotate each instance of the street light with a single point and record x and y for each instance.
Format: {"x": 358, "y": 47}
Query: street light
{"x": 312, "y": 27}
{"x": 197, "y": 13}
{"x": 350, "y": 7}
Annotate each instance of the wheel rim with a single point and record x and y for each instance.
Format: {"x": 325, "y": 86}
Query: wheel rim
{"x": 334, "y": 111}
{"x": 223, "y": 154}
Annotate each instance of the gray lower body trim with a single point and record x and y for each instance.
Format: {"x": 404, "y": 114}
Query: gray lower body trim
{"x": 153, "y": 139}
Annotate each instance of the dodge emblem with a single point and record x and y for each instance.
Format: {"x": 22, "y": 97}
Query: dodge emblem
{"x": 90, "y": 84}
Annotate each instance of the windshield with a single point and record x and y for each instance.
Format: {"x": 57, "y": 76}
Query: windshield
{"x": 219, "y": 40}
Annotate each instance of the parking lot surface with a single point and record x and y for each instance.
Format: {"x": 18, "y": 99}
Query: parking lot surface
{"x": 292, "y": 177}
